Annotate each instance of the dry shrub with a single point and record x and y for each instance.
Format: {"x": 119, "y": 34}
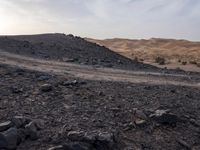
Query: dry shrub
{"x": 160, "y": 60}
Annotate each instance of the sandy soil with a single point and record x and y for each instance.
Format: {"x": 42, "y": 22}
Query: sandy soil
{"x": 174, "y": 51}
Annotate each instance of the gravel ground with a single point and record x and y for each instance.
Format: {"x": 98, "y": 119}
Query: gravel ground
{"x": 131, "y": 116}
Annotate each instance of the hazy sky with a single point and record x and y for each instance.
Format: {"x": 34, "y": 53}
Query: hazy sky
{"x": 103, "y": 18}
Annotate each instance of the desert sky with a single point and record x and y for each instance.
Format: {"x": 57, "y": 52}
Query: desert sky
{"x": 103, "y": 18}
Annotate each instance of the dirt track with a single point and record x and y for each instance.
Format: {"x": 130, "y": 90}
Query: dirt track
{"x": 91, "y": 105}
{"x": 93, "y": 73}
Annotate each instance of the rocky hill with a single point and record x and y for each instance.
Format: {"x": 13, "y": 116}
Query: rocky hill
{"x": 67, "y": 48}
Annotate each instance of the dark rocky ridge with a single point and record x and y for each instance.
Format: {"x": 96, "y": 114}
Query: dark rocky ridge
{"x": 68, "y": 48}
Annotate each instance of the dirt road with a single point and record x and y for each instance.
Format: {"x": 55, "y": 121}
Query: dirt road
{"x": 94, "y": 73}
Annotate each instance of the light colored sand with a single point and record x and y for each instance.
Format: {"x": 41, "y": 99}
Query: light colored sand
{"x": 172, "y": 50}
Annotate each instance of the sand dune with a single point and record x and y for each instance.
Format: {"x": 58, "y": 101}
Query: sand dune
{"x": 172, "y": 50}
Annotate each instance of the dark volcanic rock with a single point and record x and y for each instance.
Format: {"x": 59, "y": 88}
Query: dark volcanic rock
{"x": 31, "y": 130}
{"x": 20, "y": 121}
{"x": 46, "y": 87}
{"x": 5, "y": 125}
{"x": 163, "y": 117}
{"x": 43, "y": 78}
{"x": 18, "y": 130}
{"x": 75, "y": 146}
{"x": 75, "y": 135}
{"x": 16, "y": 89}
{"x": 97, "y": 141}
{"x": 59, "y": 147}
{"x": 105, "y": 141}
{"x": 9, "y": 139}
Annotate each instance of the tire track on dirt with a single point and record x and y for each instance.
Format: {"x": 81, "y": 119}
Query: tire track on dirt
{"x": 92, "y": 73}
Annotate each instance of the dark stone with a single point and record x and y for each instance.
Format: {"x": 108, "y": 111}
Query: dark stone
{"x": 163, "y": 117}
{"x": 139, "y": 117}
{"x": 5, "y": 125}
{"x": 75, "y": 146}
{"x": 75, "y": 135}
{"x": 69, "y": 60}
{"x": 70, "y": 83}
{"x": 16, "y": 90}
{"x": 9, "y": 139}
{"x": 3, "y": 142}
{"x": 46, "y": 88}
{"x": 39, "y": 124}
{"x": 20, "y": 121}
{"x": 184, "y": 144}
{"x": 60, "y": 147}
{"x": 21, "y": 134}
{"x": 31, "y": 130}
{"x": 43, "y": 78}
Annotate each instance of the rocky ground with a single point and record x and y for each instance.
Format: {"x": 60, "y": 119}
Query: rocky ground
{"x": 63, "y": 112}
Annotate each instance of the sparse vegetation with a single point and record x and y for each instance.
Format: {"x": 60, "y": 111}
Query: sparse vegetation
{"x": 160, "y": 60}
{"x": 136, "y": 59}
{"x": 193, "y": 62}
{"x": 141, "y": 59}
{"x": 184, "y": 63}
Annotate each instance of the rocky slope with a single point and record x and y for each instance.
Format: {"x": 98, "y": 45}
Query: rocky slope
{"x": 67, "y": 48}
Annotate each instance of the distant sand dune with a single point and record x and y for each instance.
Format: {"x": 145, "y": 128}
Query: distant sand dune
{"x": 175, "y": 52}
{"x": 172, "y": 50}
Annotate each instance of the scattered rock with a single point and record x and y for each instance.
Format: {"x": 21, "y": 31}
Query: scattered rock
{"x": 70, "y": 83}
{"x": 17, "y": 130}
{"x": 140, "y": 117}
{"x": 69, "y": 60}
{"x": 60, "y": 147}
{"x": 21, "y": 133}
{"x": 105, "y": 141}
{"x": 100, "y": 141}
{"x": 16, "y": 89}
{"x": 9, "y": 139}
{"x": 184, "y": 144}
{"x": 75, "y": 135}
{"x": 163, "y": 117}
{"x": 89, "y": 138}
{"x": 5, "y": 125}
{"x": 43, "y": 78}
{"x": 115, "y": 109}
{"x": 140, "y": 122}
{"x": 31, "y": 130}
{"x": 39, "y": 124}
{"x": 46, "y": 87}
{"x": 108, "y": 65}
{"x": 75, "y": 146}
{"x": 100, "y": 93}
{"x": 129, "y": 126}
{"x": 195, "y": 122}
{"x": 20, "y": 121}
